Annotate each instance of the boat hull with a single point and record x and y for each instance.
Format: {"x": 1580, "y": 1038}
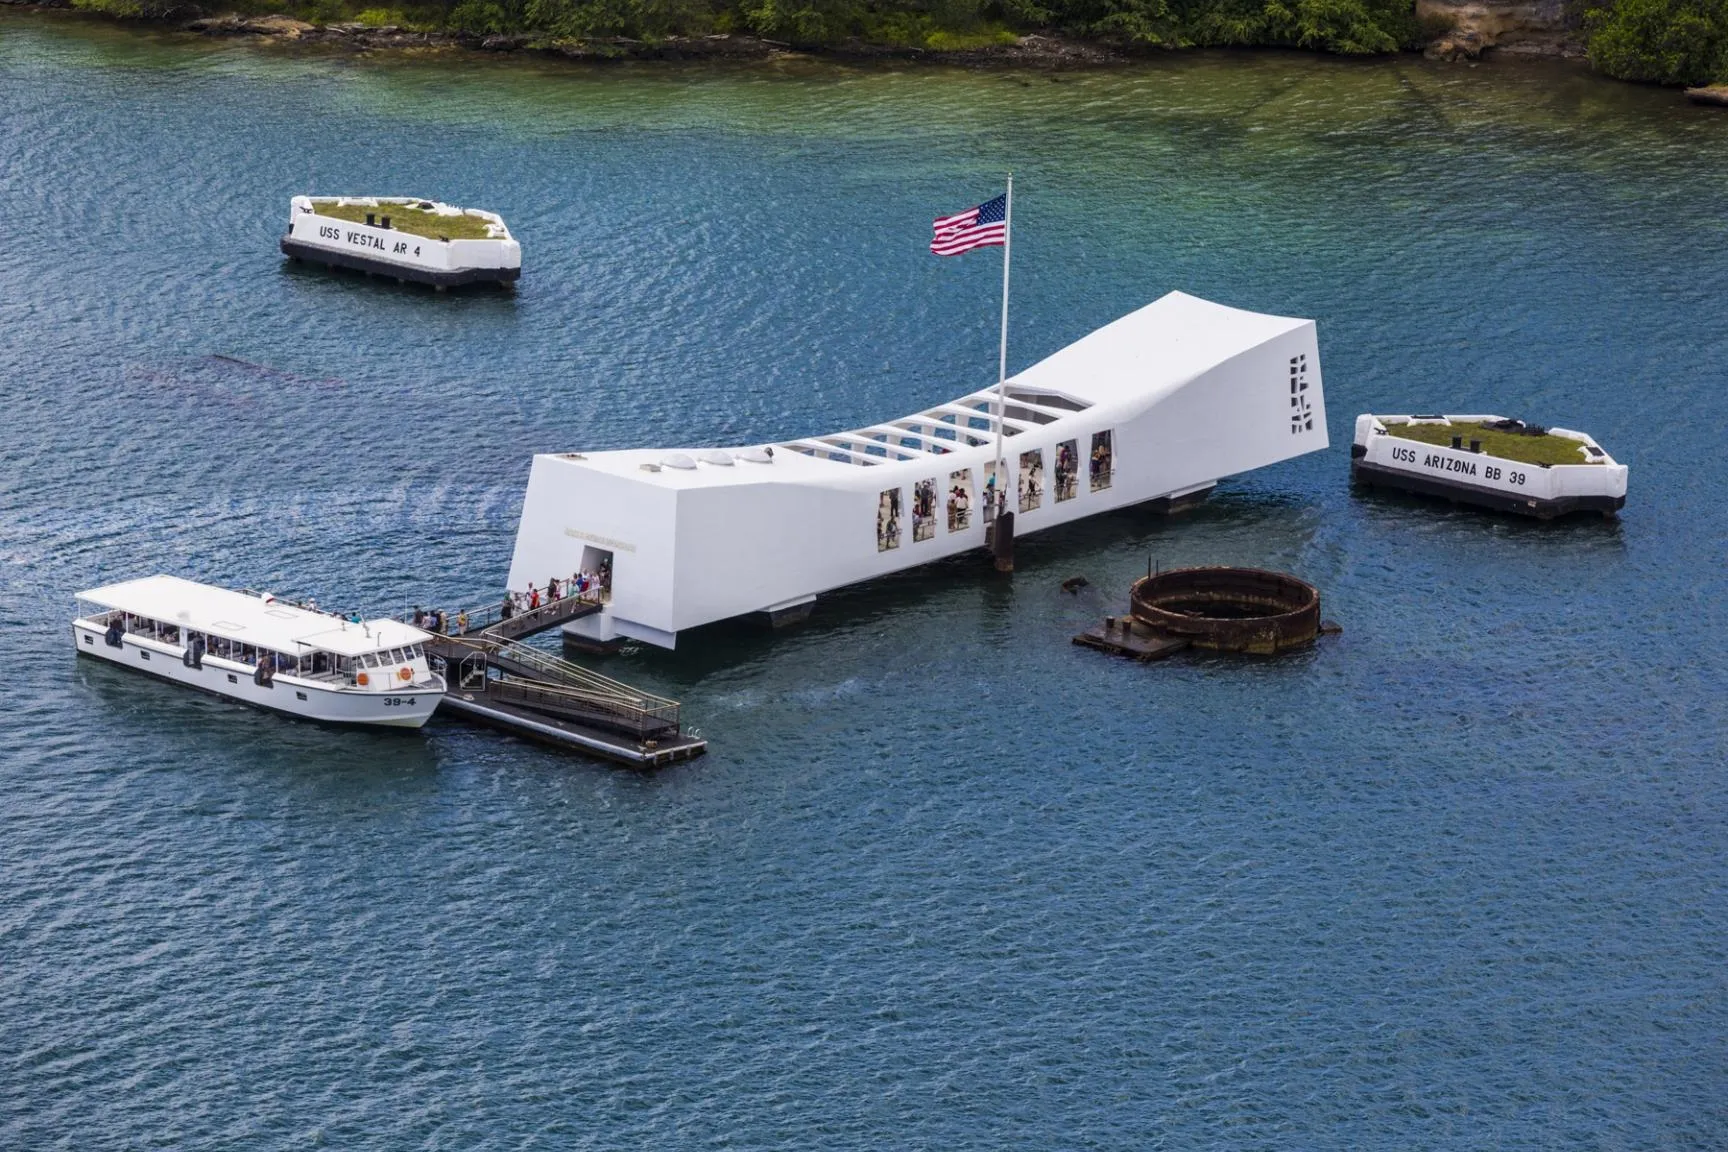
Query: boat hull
{"x": 288, "y": 695}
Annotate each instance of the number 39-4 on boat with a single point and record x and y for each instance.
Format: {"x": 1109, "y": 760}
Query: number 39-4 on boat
{"x": 262, "y": 650}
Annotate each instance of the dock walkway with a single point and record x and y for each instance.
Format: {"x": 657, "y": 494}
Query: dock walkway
{"x": 496, "y": 680}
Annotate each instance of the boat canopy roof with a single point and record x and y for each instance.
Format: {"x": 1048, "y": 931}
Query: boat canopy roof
{"x": 261, "y": 621}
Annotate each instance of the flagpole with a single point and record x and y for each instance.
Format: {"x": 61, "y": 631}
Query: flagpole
{"x": 1002, "y": 365}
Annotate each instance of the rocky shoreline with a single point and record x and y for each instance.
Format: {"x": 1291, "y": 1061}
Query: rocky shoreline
{"x": 1539, "y": 28}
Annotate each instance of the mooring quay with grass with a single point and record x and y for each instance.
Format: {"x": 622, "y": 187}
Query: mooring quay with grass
{"x": 405, "y": 238}
{"x": 1489, "y": 461}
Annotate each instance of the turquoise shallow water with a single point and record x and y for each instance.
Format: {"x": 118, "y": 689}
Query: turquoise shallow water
{"x": 1453, "y": 880}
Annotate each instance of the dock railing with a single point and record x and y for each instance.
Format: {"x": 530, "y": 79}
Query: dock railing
{"x": 537, "y": 677}
{"x": 591, "y": 685}
{"x": 489, "y": 617}
{"x": 645, "y": 722}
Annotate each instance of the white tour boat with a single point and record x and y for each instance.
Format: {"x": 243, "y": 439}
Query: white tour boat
{"x": 404, "y": 237}
{"x": 262, "y": 650}
{"x": 1154, "y": 408}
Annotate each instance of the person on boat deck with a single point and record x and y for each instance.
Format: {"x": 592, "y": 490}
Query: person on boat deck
{"x": 533, "y": 597}
{"x": 419, "y": 617}
{"x": 462, "y": 620}
{"x": 353, "y": 617}
{"x": 509, "y": 608}
{"x": 552, "y": 589}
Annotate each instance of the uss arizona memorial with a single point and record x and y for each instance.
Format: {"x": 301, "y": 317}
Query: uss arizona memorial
{"x": 1158, "y": 405}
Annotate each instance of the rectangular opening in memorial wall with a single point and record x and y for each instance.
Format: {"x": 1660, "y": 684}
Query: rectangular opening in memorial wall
{"x": 1102, "y": 461}
{"x": 960, "y": 500}
{"x": 995, "y": 491}
{"x": 1031, "y": 479}
{"x": 924, "y": 510}
{"x": 1067, "y": 470}
{"x": 888, "y": 520}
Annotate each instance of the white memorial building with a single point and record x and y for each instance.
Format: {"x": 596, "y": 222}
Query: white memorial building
{"x": 1156, "y": 406}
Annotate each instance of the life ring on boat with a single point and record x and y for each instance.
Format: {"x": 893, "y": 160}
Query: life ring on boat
{"x": 362, "y": 680}
{"x": 404, "y": 673}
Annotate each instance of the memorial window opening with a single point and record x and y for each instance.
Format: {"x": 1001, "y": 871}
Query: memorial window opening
{"x": 924, "y": 510}
{"x": 1067, "y": 470}
{"x": 960, "y": 500}
{"x": 888, "y": 520}
{"x": 1031, "y": 479}
{"x": 1102, "y": 462}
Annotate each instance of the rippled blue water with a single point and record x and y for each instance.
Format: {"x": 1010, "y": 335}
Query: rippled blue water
{"x": 1453, "y": 880}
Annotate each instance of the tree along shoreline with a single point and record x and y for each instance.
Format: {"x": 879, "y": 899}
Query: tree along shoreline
{"x": 743, "y": 47}
{"x": 1627, "y": 39}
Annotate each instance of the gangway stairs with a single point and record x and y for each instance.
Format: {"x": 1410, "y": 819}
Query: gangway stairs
{"x": 490, "y": 620}
{"x": 497, "y": 680}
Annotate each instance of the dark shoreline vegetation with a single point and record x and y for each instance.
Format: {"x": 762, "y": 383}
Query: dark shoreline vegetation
{"x": 1673, "y": 42}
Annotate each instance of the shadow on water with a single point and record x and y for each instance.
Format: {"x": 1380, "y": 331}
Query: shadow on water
{"x": 1391, "y": 508}
{"x": 348, "y": 281}
{"x": 129, "y": 705}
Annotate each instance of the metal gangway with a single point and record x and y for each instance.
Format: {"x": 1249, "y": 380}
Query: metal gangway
{"x": 488, "y": 668}
{"x": 507, "y": 672}
{"x": 491, "y": 621}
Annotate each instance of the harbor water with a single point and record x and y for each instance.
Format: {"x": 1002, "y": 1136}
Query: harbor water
{"x": 1454, "y": 879}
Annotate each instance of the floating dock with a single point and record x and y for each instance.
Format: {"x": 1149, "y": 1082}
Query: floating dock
{"x": 496, "y": 680}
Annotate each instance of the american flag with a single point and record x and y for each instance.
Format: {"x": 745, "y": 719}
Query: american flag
{"x": 979, "y": 227}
